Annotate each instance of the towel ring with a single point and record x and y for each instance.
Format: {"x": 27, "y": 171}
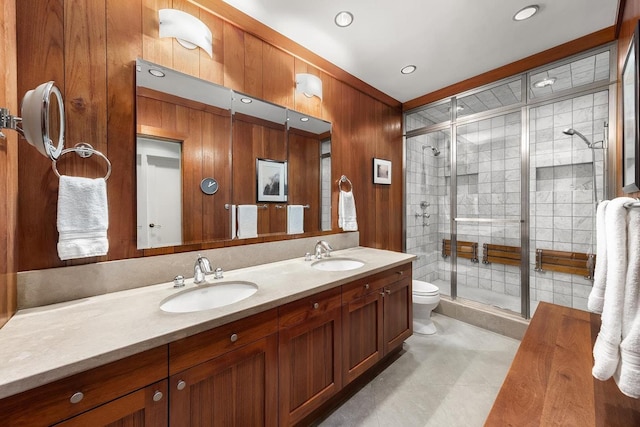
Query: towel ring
{"x": 83, "y": 150}
{"x": 342, "y": 180}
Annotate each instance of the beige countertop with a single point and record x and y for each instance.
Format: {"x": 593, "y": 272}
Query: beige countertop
{"x": 44, "y": 344}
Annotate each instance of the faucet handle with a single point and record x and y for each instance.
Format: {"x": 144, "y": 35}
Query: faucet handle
{"x": 205, "y": 264}
{"x": 218, "y": 273}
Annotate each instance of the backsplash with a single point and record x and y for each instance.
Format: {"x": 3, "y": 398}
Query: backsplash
{"x": 54, "y": 285}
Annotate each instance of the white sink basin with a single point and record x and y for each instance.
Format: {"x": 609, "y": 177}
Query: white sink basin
{"x": 337, "y": 264}
{"x": 208, "y": 296}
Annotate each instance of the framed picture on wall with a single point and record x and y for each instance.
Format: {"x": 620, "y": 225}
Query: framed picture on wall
{"x": 381, "y": 171}
{"x": 630, "y": 130}
{"x": 272, "y": 180}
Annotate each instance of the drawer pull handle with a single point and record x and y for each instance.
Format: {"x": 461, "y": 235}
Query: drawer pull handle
{"x": 366, "y": 286}
{"x": 234, "y": 337}
{"x": 400, "y": 272}
{"x": 77, "y": 397}
{"x": 388, "y": 291}
{"x": 181, "y": 385}
{"x": 157, "y": 396}
{"x": 382, "y": 293}
{"x": 316, "y": 305}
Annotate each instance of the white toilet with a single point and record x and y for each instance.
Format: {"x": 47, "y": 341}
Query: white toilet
{"x": 426, "y": 297}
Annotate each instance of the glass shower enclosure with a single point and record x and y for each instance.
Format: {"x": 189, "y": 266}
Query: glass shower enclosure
{"x": 499, "y": 205}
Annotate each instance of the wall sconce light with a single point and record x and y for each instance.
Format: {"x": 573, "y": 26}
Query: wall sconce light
{"x": 188, "y": 30}
{"x": 309, "y": 85}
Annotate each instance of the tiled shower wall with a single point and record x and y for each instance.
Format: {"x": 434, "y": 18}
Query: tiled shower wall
{"x": 561, "y": 203}
{"x": 425, "y": 180}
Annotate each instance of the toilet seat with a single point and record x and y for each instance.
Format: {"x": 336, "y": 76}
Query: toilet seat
{"x": 425, "y": 289}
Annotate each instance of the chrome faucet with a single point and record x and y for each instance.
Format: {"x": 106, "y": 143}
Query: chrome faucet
{"x": 201, "y": 268}
{"x": 322, "y": 245}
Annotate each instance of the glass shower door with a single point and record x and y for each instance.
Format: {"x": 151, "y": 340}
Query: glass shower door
{"x": 488, "y": 210}
{"x": 428, "y": 215}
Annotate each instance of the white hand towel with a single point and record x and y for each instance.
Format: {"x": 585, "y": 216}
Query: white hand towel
{"x": 347, "y": 219}
{"x": 247, "y": 221}
{"x": 596, "y": 297}
{"x": 295, "y": 219}
{"x": 83, "y": 217}
{"x": 606, "y": 351}
{"x": 628, "y": 373}
{"x": 232, "y": 211}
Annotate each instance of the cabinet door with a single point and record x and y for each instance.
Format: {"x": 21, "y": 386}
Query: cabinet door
{"x": 310, "y": 367}
{"x": 362, "y": 334}
{"x": 398, "y": 314}
{"x": 238, "y": 388}
{"x": 143, "y": 408}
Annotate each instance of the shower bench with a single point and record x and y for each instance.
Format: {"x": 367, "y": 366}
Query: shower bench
{"x": 550, "y": 381}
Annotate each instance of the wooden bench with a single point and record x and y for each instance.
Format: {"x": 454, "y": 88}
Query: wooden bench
{"x": 500, "y": 254}
{"x": 467, "y": 250}
{"x": 566, "y": 262}
{"x": 550, "y": 382}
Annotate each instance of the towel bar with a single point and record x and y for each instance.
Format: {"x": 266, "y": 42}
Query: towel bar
{"x": 83, "y": 150}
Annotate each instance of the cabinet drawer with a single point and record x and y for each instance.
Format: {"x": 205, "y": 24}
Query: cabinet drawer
{"x": 188, "y": 352}
{"x": 361, "y": 287}
{"x": 307, "y": 308}
{"x": 52, "y": 403}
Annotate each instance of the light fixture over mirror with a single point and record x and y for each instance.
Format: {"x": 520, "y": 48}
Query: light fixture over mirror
{"x": 309, "y": 85}
{"x": 188, "y": 30}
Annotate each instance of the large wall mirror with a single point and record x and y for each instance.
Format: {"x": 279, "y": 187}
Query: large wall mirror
{"x": 213, "y": 164}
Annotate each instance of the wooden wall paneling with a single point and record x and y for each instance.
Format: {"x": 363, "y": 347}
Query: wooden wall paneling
{"x": 253, "y": 70}
{"x": 304, "y": 164}
{"x": 186, "y": 60}
{"x": 279, "y": 85}
{"x": 392, "y": 123}
{"x": 631, "y": 15}
{"x": 384, "y": 217}
{"x": 363, "y": 144}
{"x": 189, "y": 123}
{"x": 124, "y": 35}
{"x": 217, "y": 164}
{"x": 212, "y": 68}
{"x": 8, "y": 165}
{"x": 154, "y": 48}
{"x": 233, "y": 39}
{"x": 37, "y": 184}
{"x": 273, "y": 38}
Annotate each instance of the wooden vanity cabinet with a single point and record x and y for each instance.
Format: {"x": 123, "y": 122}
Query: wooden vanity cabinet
{"x": 376, "y": 318}
{"x": 226, "y": 376}
{"x": 310, "y": 350}
{"x": 128, "y": 392}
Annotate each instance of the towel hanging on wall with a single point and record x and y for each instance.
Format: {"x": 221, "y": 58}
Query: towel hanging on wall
{"x": 347, "y": 219}
{"x": 247, "y": 221}
{"x": 83, "y": 217}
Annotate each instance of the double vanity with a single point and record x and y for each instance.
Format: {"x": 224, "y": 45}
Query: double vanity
{"x": 264, "y": 345}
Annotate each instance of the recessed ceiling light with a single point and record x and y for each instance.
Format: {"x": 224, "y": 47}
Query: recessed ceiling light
{"x": 246, "y": 100}
{"x": 526, "y": 12}
{"x": 155, "y": 72}
{"x": 343, "y": 19}
{"x": 547, "y": 81}
{"x": 304, "y": 119}
{"x": 408, "y": 69}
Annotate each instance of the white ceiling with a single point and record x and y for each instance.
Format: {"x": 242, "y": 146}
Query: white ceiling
{"x": 448, "y": 40}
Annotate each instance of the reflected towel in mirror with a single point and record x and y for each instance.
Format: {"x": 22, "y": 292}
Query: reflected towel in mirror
{"x": 83, "y": 217}
{"x": 247, "y": 221}
{"x": 295, "y": 219}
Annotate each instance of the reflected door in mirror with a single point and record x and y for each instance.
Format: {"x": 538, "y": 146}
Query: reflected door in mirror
{"x": 159, "y": 180}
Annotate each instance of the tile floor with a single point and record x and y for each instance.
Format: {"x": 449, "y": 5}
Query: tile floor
{"x": 448, "y": 379}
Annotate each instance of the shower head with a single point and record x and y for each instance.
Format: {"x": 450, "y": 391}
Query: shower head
{"x": 435, "y": 150}
{"x": 571, "y": 131}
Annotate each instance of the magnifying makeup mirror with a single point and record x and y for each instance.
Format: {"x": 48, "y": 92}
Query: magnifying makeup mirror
{"x": 42, "y": 121}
